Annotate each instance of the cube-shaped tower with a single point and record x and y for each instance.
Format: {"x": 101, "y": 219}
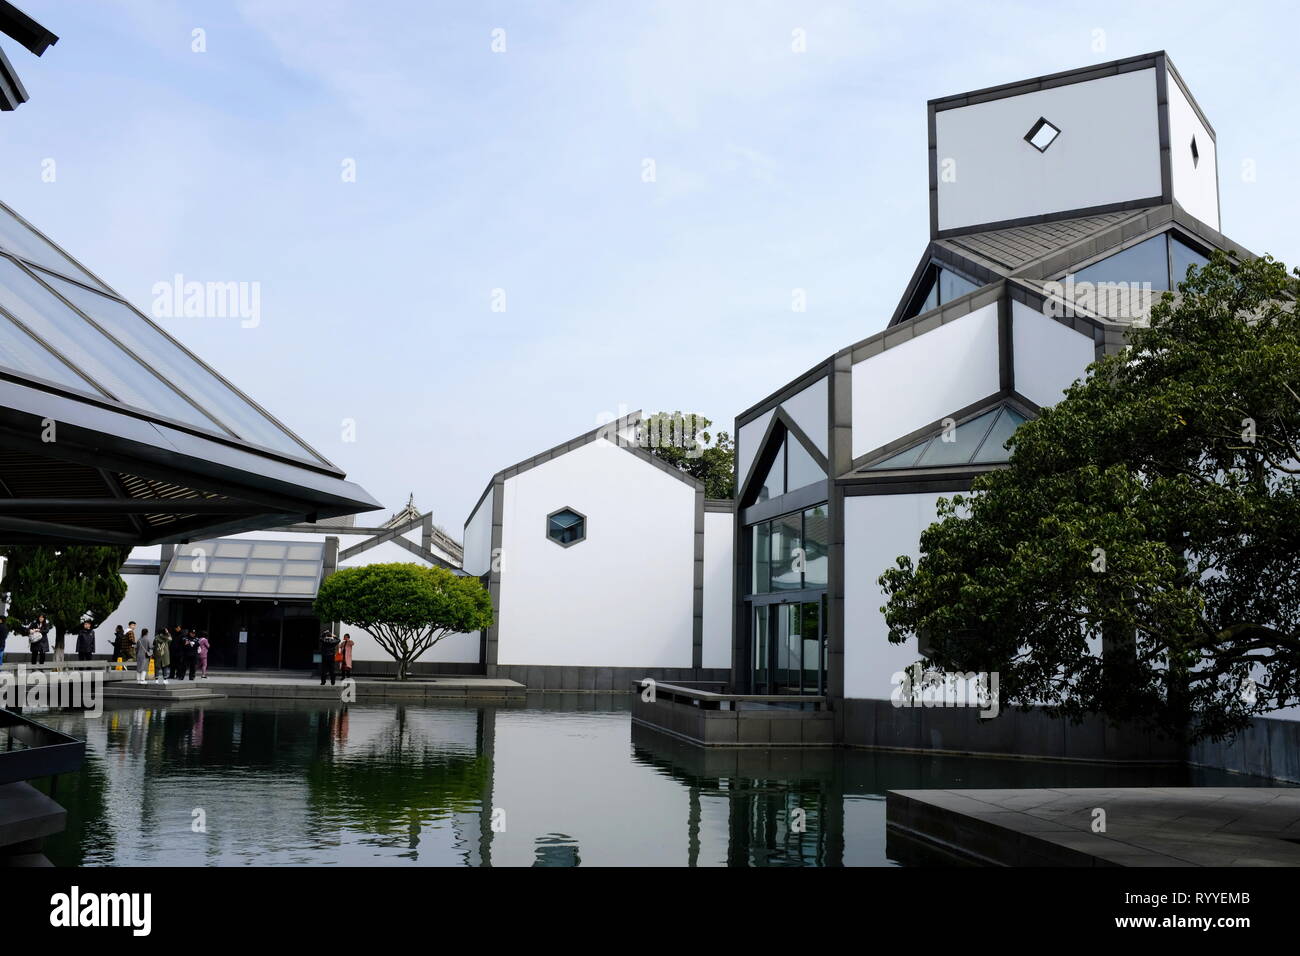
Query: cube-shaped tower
{"x": 1124, "y": 135}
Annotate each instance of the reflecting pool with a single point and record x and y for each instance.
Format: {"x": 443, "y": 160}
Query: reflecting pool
{"x": 562, "y": 781}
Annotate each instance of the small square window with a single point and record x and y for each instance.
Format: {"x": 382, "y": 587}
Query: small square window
{"x": 1042, "y": 135}
{"x": 1196, "y": 154}
{"x": 566, "y": 527}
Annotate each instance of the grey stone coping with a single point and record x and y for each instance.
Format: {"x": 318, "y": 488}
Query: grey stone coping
{"x": 1144, "y": 826}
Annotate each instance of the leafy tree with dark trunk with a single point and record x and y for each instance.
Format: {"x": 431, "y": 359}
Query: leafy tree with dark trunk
{"x": 1153, "y": 512}
{"x": 65, "y": 584}
{"x": 407, "y": 608}
{"x": 685, "y": 442}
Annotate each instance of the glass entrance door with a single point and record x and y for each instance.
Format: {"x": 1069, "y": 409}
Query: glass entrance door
{"x": 789, "y": 648}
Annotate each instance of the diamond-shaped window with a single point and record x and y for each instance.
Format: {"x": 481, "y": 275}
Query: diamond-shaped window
{"x": 1196, "y": 154}
{"x": 566, "y": 527}
{"x": 1042, "y": 135}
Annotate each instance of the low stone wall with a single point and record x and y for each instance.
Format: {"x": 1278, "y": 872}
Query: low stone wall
{"x": 879, "y": 724}
{"x": 617, "y": 679}
{"x": 735, "y": 728}
{"x": 1269, "y": 747}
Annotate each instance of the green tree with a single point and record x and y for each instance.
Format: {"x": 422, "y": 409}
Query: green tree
{"x": 1154, "y": 513}
{"x": 63, "y": 583}
{"x": 406, "y": 607}
{"x": 685, "y": 442}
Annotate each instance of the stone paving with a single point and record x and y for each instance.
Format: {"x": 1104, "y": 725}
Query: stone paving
{"x": 1144, "y": 826}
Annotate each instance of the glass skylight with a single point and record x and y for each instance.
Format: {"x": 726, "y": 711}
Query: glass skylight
{"x": 979, "y": 441}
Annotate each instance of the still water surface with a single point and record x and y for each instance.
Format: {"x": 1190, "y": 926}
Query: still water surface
{"x": 563, "y": 781}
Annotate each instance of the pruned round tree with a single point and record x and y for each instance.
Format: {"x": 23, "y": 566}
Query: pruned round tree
{"x": 407, "y": 608}
{"x": 1140, "y": 555}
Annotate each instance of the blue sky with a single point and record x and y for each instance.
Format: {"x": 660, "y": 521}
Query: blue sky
{"x": 523, "y": 171}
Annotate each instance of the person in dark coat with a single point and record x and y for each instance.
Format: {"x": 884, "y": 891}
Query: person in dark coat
{"x": 4, "y": 636}
{"x": 329, "y": 643}
{"x": 40, "y": 630}
{"x": 86, "y": 642}
{"x": 117, "y": 642}
{"x": 189, "y": 658}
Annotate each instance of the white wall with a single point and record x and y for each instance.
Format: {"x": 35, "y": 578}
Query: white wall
{"x": 719, "y": 541}
{"x": 478, "y": 538}
{"x": 621, "y": 598}
{"x": 1108, "y": 151}
{"x": 1049, "y": 356}
{"x": 924, "y": 379}
{"x": 139, "y": 605}
{"x": 1196, "y": 186}
{"x": 877, "y": 529}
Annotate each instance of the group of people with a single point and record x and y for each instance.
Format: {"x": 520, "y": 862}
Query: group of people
{"x": 335, "y": 653}
{"x": 38, "y": 640}
{"x": 174, "y": 652}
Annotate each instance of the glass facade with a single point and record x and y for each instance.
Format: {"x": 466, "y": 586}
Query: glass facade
{"x": 789, "y": 648}
{"x": 792, "y": 468}
{"x": 1162, "y": 261}
{"x": 981, "y": 440}
{"x": 944, "y": 285}
{"x": 245, "y": 568}
{"x": 790, "y": 553}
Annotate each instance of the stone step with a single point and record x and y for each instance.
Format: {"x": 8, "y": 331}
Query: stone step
{"x": 155, "y": 691}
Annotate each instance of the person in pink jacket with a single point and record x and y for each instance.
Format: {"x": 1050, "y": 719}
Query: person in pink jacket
{"x": 345, "y": 649}
{"x": 204, "y": 644}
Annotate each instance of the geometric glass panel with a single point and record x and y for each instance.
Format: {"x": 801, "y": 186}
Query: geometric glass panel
{"x": 267, "y": 549}
{"x": 566, "y": 527}
{"x": 760, "y": 582}
{"x": 816, "y": 545}
{"x": 220, "y": 582}
{"x": 993, "y": 449}
{"x": 17, "y": 239}
{"x": 19, "y": 352}
{"x": 787, "y": 563}
{"x": 177, "y": 366}
{"x": 958, "y": 446}
{"x": 904, "y": 459}
{"x": 801, "y": 469}
{"x": 1184, "y": 257}
{"x": 1148, "y": 261}
{"x": 773, "y": 483}
{"x": 89, "y": 350}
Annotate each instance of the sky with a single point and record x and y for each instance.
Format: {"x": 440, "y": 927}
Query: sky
{"x": 560, "y": 211}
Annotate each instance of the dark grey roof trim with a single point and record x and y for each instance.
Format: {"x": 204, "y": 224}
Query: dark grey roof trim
{"x": 900, "y": 484}
{"x": 1078, "y": 213}
{"x": 719, "y": 505}
{"x": 17, "y": 25}
{"x": 601, "y": 431}
{"x": 782, "y": 395}
{"x": 946, "y": 257}
{"x": 107, "y": 439}
{"x": 1049, "y": 81}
